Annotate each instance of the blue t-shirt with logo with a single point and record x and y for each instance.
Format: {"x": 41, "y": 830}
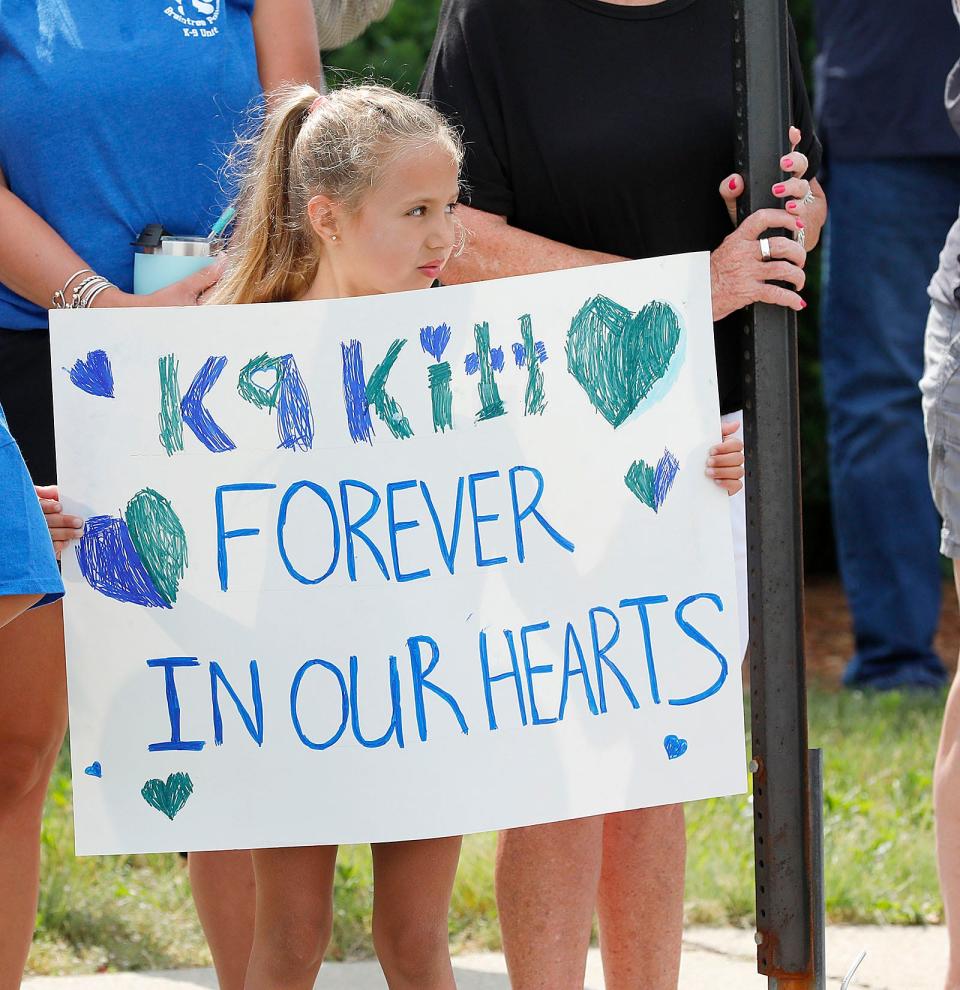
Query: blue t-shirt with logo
{"x": 117, "y": 114}
{"x": 27, "y": 563}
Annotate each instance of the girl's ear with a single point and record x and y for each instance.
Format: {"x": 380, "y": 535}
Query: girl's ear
{"x": 322, "y": 213}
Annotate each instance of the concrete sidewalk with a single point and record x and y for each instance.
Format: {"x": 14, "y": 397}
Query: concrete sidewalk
{"x": 898, "y": 958}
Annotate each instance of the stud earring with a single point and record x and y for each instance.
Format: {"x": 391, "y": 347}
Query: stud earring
{"x": 333, "y": 237}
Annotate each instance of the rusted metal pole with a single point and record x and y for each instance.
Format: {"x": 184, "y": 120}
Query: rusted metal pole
{"x": 783, "y": 829}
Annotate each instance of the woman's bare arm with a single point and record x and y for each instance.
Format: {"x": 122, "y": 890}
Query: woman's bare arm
{"x": 285, "y": 35}
{"x": 35, "y": 260}
{"x": 739, "y": 277}
{"x": 494, "y": 249}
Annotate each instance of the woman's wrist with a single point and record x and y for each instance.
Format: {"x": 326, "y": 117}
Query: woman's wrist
{"x": 113, "y": 297}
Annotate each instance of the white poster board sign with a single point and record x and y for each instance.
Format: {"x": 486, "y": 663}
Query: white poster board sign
{"x": 396, "y": 567}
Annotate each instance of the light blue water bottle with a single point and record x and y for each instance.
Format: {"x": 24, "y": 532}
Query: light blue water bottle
{"x": 176, "y": 258}
{"x": 162, "y": 258}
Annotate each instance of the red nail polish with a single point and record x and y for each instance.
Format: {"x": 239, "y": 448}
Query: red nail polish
{"x": 788, "y": 163}
{"x": 800, "y": 225}
{"x": 733, "y": 184}
{"x": 791, "y": 205}
{"x": 803, "y": 303}
{"x": 779, "y": 189}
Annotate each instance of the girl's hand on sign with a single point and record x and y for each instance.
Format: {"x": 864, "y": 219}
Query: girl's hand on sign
{"x": 725, "y": 460}
{"x": 187, "y": 292}
{"x": 803, "y": 199}
{"x": 62, "y": 528}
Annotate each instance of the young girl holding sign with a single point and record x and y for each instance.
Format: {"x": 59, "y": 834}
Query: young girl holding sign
{"x": 354, "y": 194}
{"x": 347, "y": 195}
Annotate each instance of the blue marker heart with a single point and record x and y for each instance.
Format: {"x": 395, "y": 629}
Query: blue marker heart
{"x": 434, "y": 340}
{"x": 139, "y": 558}
{"x": 94, "y": 376}
{"x": 94, "y": 770}
{"x": 675, "y": 746}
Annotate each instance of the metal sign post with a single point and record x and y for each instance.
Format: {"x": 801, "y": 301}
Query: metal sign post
{"x": 788, "y": 846}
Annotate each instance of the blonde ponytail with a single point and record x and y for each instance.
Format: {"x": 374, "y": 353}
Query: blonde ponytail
{"x": 271, "y": 254}
{"x": 335, "y": 146}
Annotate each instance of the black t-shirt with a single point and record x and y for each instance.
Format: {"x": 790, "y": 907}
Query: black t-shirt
{"x": 602, "y": 126}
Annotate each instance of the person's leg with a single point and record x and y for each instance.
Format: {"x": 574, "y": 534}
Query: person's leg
{"x": 946, "y": 803}
{"x": 33, "y": 717}
{"x": 294, "y": 916}
{"x": 546, "y": 882}
{"x": 225, "y": 896}
{"x": 412, "y": 883}
{"x": 940, "y": 386}
{"x": 13, "y": 605}
{"x": 878, "y": 264}
{"x": 640, "y": 900}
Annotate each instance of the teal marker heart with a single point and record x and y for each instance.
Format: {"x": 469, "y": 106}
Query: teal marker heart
{"x": 618, "y": 356}
{"x": 652, "y": 485}
{"x": 170, "y": 797}
{"x": 160, "y": 542}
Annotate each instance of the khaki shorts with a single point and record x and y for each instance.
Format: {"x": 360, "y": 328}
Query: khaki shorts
{"x": 940, "y": 387}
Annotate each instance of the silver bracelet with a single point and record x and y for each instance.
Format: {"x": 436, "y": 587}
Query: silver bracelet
{"x": 88, "y": 302}
{"x": 80, "y": 288}
{"x": 88, "y": 290}
{"x": 58, "y": 299}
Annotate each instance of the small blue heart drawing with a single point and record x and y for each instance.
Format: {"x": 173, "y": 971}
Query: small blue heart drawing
{"x": 434, "y": 340}
{"x": 94, "y": 770}
{"x": 675, "y": 746}
{"x": 93, "y": 375}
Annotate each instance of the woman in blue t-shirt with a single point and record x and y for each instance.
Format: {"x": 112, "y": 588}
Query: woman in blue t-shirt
{"x": 114, "y": 115}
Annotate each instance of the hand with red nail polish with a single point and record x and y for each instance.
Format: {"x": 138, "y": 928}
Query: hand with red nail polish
{"x": 739, "y": 275}
{"x": 804, "y": 196}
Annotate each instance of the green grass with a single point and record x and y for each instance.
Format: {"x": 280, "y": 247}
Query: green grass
{"x": 878, "y": 818}
{"x": 135, "y": 912}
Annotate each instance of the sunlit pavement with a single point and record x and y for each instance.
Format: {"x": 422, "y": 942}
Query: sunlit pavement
{"x": 898, "y": 958}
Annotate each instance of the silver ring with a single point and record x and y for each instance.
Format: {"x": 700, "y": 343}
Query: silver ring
{"x": 800, "y": 237}
{"x": 809, "y": 198}
{"x": 765, "y": 253}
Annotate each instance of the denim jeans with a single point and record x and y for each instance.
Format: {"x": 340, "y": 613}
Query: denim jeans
{"x": 888, "y": 221}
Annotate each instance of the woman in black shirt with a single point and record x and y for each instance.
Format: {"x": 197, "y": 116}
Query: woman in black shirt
{"x": 598, "y": 131}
